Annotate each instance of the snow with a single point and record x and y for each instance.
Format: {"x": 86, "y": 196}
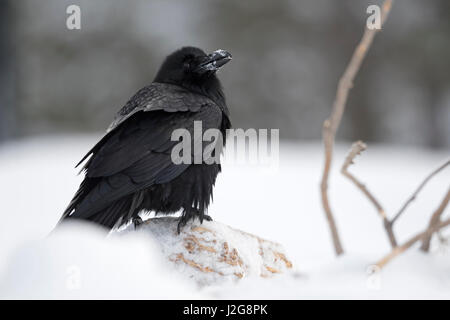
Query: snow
{"x": 80, "y": 263}
{"x": 211, "y": 253}
{"x": 37, "y": 180}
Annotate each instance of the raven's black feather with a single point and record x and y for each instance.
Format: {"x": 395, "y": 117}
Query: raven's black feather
{"x": 130, "y": 168}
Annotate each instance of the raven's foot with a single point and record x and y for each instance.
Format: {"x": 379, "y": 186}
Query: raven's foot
{"x": 201, "y": 215}
{"x": 185, "y": 217}
{"x": 137, "y": 222}
{"x": 191, "y": 214}
{"x": 207, "y": 217}
{"x": 182, "y": 221}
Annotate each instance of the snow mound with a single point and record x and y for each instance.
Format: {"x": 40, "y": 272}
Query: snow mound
{"x": 79, "y": 262}
{"x": 212, "y": 252}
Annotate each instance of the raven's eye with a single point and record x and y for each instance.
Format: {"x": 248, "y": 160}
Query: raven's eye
{"x": 187, "y": 61}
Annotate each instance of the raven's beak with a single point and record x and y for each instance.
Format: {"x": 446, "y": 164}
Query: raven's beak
{"x": 213, "y": 61}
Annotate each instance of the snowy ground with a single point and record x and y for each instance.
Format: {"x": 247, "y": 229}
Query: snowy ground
{"x": 37, "y": 180}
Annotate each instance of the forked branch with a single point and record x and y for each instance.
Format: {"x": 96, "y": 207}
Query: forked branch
{"x": 408, "y": 244}
{"x": 331, "y": 125}
{"x": 414, "y": 195}
{"x": 356, "y": 149}
{"x": 359, "y": 147}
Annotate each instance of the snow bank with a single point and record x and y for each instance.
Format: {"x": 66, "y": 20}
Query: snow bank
{"x": 37, "y": 182}
{"x": 79, "y": 262}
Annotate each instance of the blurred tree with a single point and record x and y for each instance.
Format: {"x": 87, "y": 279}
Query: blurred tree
{"x": 7, "y": 81}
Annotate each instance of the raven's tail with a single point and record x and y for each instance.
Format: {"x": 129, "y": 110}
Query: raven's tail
{"x": 113, "y": 215}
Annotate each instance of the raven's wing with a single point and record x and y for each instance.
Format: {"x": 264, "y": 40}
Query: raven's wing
{"x": 156, "y": 96}
{"x": 136, "y": 153}
{"x": 160, "y": 96}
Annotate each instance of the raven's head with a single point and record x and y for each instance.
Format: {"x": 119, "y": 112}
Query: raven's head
{"x": 193, "y": 69}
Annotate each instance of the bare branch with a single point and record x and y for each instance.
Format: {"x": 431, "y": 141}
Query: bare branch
{"x": 356, "y": 149}
{"x": 331, "y": 125}
{"x": 435, "y": 219}
{"x": 414, "y": 195}
{"x": 408, "y": 244}
{"x": 359, "y": 147}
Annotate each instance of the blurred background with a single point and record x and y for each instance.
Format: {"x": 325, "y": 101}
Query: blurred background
{"x": 60, "y": 88}
{"x": 288, "y": 57}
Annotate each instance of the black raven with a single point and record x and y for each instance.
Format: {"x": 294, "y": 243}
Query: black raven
{"x": 130, "y": 169}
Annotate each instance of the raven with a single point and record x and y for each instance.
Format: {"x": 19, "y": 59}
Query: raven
{"x": 130, "y": 169}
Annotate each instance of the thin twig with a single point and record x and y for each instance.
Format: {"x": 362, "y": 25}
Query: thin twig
{"x": 356, "y": 149}
{"x": 408, "y": 244}
{"x": 359, "y": 147}
{"x": 414, "y": 195}
{"x": 435, "y": 219}
{"x": 331, "y": 125}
